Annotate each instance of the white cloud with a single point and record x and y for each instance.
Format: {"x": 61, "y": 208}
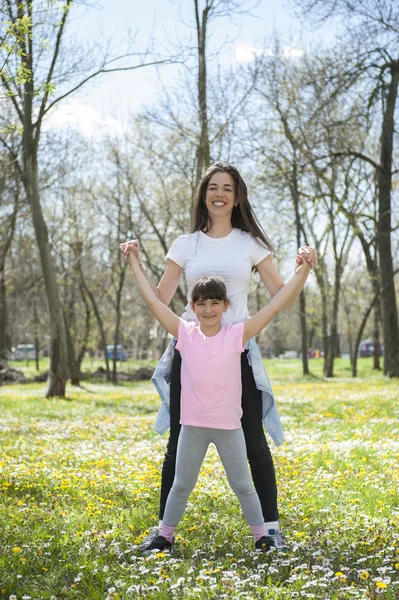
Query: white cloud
{"x": 84, "y": 118}
{"x": 247, "y": 52}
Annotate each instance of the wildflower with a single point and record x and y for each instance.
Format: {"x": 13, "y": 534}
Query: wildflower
{"x": 16, "y": 550}
{"x": 381, "y": 585}
{"x": 363, "y": 575}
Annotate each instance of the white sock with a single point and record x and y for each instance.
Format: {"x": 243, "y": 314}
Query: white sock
{"x": 160, "y": 523}
{"x": 271, "y": 525}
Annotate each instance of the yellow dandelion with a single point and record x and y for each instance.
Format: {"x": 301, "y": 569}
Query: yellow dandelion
{"x": 381, "y": 585}
{"x": 160, "y": 555}
{"x": 364, "y": 575}
{"x": 16, "y": 549}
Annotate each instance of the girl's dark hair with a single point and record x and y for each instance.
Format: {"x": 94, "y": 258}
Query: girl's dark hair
{"x": 209, "y": 288}
{"x": 243, "y": 216}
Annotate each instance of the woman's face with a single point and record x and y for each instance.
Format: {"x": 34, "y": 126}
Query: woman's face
{"x": 220, "y": 196}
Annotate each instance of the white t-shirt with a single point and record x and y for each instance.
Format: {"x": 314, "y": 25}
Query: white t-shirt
{"x": 231, "y": 257}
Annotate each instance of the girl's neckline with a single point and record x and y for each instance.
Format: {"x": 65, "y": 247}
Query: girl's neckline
{"x": 217, "y": 238}
{"x": 210, "y": 337}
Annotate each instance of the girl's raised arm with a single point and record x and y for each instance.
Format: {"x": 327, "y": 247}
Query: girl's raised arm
{"x": 162, "y": 313}
{"x": 169, "y": 281}
{"x": 292, "y": 288}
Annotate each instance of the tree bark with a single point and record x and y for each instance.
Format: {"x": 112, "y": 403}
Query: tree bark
{"x": 203, "y": 149}
{"x": 3, "y": 314}
{"x": 5, "y": 246}
{"x": 388, "y": 297}
{"x": 360, "y": 334}
{"x": 376, "y": 338}
{"x": 118, "y": 319}
{"x": 72, "y": 363}
{"x": 100, "y": 329}
{"x": 332, "y": 349}
{"x": 302, "y": 297}
{"x": 58, "y": 354}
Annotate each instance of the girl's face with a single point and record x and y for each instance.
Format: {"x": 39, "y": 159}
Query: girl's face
{"x": 220, "y": 195}
{"x": 209, "y": 312}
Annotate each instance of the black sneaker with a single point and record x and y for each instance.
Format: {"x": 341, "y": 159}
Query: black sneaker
{"x": 154, "y": 532}
{"x": 159, "y": 543}
{"x": 274, "y": 539}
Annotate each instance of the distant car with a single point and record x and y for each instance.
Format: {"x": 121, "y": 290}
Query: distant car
{"x": 120, "y": 352}
{"x": 289, "y": 354}
{"x": 25, "y": 352}
{"x": 366, "y": 348}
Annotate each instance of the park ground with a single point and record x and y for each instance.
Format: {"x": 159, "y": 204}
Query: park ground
{"x": 79, "y": 487}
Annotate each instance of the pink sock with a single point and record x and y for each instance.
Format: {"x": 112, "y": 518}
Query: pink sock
{"x": 259, "y": 531}
{"x": 167, "y": 532}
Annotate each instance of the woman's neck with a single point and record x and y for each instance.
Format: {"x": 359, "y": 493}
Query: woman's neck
{"x": 220, "y": 229}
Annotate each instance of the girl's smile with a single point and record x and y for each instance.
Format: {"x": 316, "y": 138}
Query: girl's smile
{"x": 210, "y": 312}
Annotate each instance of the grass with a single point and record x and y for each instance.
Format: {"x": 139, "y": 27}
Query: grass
{"x": 289, "y": 369}
{"x": 79, "y": 486}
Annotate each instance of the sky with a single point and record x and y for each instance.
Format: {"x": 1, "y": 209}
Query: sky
{"x": 107, "y": 102}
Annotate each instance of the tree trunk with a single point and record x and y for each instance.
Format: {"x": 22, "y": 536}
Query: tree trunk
{"x": 74, "y": 371}
{"x": 58, "y": 354}
{"x": 388, "y": 297}
{"x": 118, "y": 319}
{"x": 332, "y": 350}
{"x": 302, "y": 298}
{"x": 376, "y": 338}
{"x": 3, "y": 314}
{"x": 5, "y": 246}
{"x": 100, "y": 329}
{"x": 350, "y": 342}
{"x": 203, "y": 150}
{"x": 36, "y": 329}
{"x": 323, "y": 287}
{"x": 83, "y": 348}
{"x": 360, "y": 334}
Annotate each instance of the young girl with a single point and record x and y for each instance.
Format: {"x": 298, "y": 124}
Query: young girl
{"x": 211, "y": 392}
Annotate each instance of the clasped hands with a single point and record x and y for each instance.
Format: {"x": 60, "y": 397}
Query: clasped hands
{"x": 128, "y": 248}
{"x": 307, "y": 254}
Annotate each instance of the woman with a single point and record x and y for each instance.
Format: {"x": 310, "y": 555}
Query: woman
{"x": 227, "y": 240}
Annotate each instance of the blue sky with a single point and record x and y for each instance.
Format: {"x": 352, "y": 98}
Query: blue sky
{"x": 112, "y": 97}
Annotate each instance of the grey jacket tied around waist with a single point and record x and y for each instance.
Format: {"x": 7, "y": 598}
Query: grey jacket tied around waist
{"x": 271, "y": 418}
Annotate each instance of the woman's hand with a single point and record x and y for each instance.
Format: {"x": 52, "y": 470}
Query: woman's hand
{"x": 307, "y": 254}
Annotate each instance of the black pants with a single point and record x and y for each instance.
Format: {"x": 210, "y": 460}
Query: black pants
{"x": 258, "y": 452}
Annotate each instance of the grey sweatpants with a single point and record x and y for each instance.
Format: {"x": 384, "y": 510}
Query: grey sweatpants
{"x": 192, "y": 446}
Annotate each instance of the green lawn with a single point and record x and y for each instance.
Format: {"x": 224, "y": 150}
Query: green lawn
{"x": 79, "y": 485}
{"x": 287, "y": 368}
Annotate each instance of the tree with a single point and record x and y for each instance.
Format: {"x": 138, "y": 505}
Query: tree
{"x": 30, "y": 78}
{"x": 370, "y": 41}
{"x": 11, "y": 197}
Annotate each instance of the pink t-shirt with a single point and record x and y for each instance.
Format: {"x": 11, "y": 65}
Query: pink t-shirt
{"x": 210, "y": 376}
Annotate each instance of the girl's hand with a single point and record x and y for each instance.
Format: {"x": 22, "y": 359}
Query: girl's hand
{"x": 307, "y": 254}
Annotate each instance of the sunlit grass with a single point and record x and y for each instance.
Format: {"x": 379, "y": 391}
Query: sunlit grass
{"x": 79, "y": 486}
{"x": 289, "y": 369}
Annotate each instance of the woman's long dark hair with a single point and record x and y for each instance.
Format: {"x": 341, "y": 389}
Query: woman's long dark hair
{"x": 242, "y": 217}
